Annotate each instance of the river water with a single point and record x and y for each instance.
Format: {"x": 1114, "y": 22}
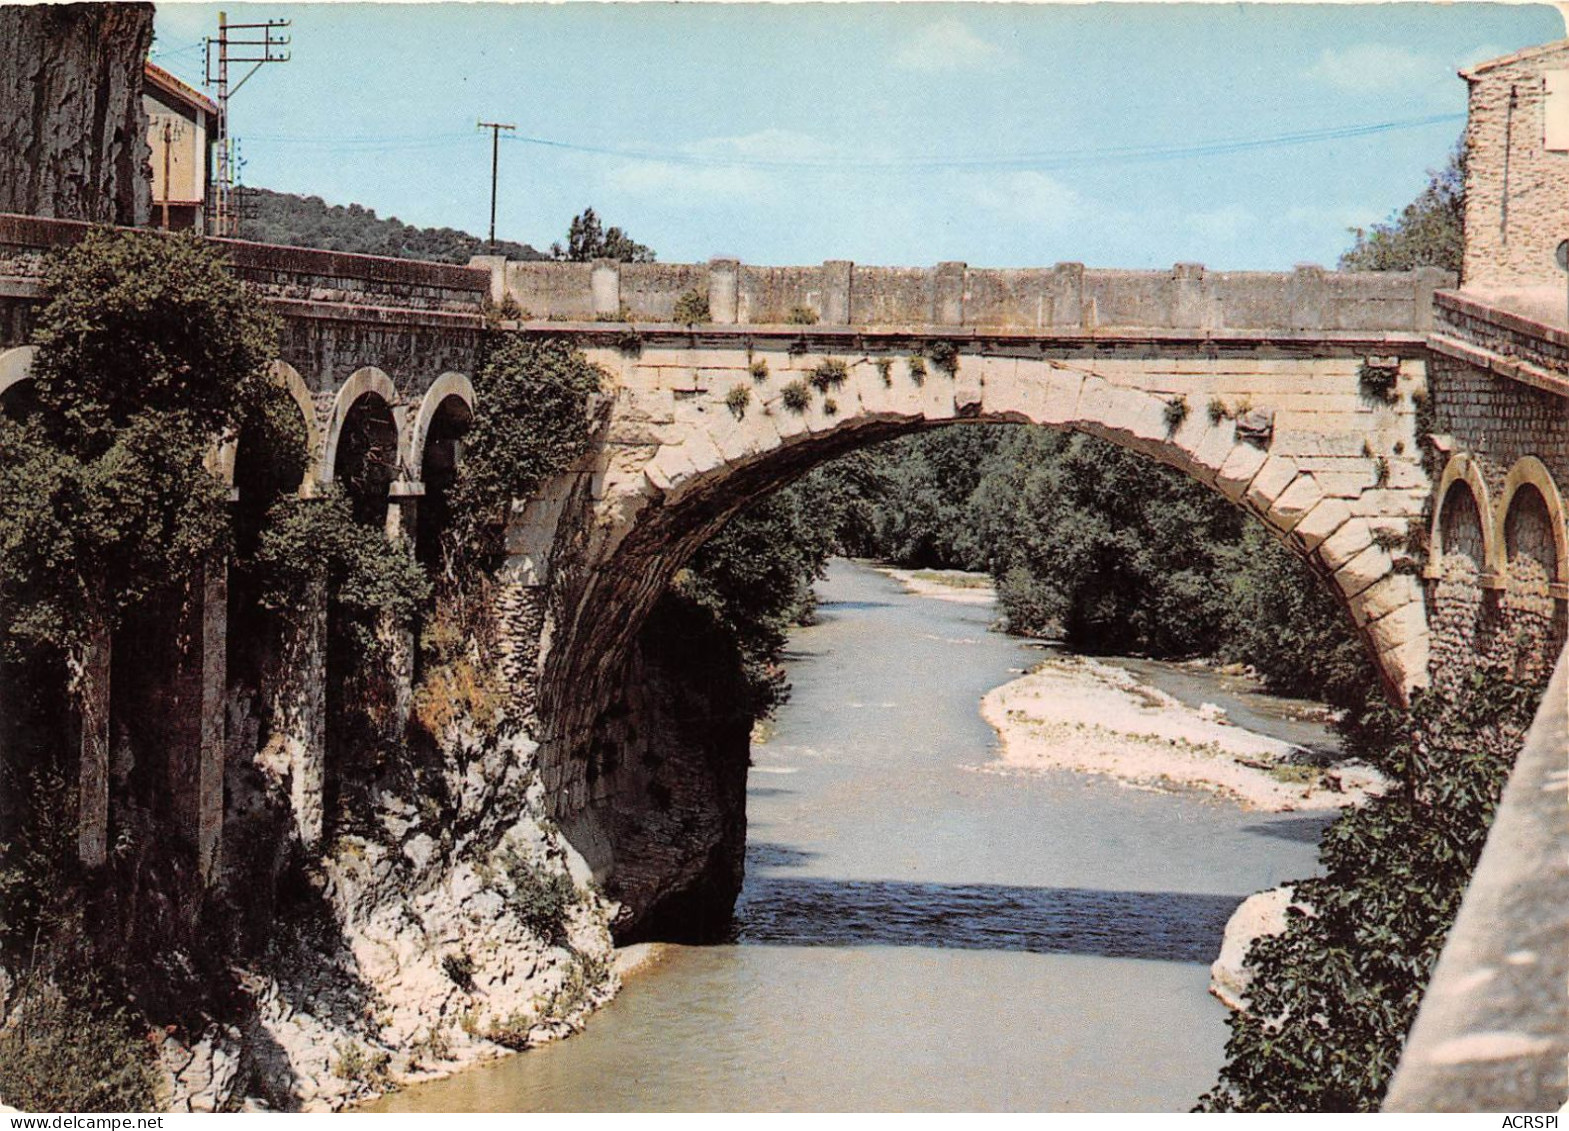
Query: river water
{"x": 919, "y": 932}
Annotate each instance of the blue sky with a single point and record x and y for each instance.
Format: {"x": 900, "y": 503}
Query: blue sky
{"x": 998, "y": 134}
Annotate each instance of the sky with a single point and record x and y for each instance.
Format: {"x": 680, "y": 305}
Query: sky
{"x": 1241, "y": 136}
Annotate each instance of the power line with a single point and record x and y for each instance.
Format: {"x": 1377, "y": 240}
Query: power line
{"x": 1036, "y": 160}
{"x": 1053, "y": 159}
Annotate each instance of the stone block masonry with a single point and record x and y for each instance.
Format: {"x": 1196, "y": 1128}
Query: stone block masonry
{"x": 1517, "y": 171}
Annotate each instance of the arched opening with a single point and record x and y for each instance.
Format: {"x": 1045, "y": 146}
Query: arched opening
{"x": 1532, "y": 619}
{"x": 698, "y": 485}
{"x": 439, "y": 456}
{"x": 364, "y": 461}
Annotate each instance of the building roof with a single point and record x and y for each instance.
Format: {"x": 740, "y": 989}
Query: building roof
{"x": 174, "y": 88}
{"x": 1470, "y": 74}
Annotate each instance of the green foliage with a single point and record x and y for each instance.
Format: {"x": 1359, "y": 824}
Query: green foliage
{"x": 917, "y": 367}
{"x": 39, "y": 881}
{"x": 759, "y": 370}
{"x": 1286, "y": 624}
{"x": 459, "y": 967}
{"x": 541, "y": 894}
{"x": 148, "y": 351}
{"x": 588, "y": 239}
{"x": 885, "y": 371}
{"x": 737, "y": 399}
{"x": 531, "y": 421}
{"x": 753, "y": 579}
{"x": 308, "y": 221}
{"x": 72, "y": 1049}
{"x": 830, "y": 373}
{"x": 1217, "y": 410}
{"x": 359, "y": 1065}
{"x": 691, "y": 308}
{"x": 314, "y": 542}
{"x": 944, "y": 355}
{"x": 1334, "y": 995}
{"x": 830, "y": 407}
{"x": 801, "y": 316}
{"x": 1174, "y": 413}
{"x": 795, "y": 396}
{"x": 1428, "y": 232}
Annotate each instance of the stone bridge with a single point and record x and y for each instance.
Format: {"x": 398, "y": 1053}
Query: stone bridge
{"x": 1410, "y": 442}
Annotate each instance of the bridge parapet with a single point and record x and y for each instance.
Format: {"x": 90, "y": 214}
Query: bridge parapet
{"x": 1066, "y": 296}
{"x": 301, "y": 280}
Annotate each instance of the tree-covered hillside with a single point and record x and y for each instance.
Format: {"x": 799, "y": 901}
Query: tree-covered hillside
{"x": 309, "y": 221}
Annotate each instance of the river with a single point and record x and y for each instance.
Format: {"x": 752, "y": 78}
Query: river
{"x": 920, "y": 932}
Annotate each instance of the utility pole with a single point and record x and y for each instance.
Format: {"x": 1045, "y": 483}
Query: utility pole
{"x": 168, "y": 143}
{"x": 266, "y": 49}
{"x": 495, "y": 129}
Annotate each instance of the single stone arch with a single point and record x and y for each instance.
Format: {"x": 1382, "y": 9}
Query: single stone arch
{"x": 1530, "y": 472}
{"x": 1462, "y": 469}
{"x": 361, "y": 382}
{"x": 447, "y": 385}
{"x": 718, "y": 457}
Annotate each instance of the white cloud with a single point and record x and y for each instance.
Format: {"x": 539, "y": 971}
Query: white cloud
{"x": 1221, "y": 224}
{"x": 1028, "y": 197}
{"x": 1377, "y": 68}
{"x": 948, "y": 45}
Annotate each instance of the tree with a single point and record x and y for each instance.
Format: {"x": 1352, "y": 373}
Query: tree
{"x": 1428, "y": 232}
{"x": 587, "y": 239}
{"x": 148, "y": 352}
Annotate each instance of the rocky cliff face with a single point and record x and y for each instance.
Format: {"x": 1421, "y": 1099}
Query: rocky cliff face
{"x": 73, "y": 134}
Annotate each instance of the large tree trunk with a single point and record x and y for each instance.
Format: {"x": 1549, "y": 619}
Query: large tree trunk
{"x": 73, "y": 132}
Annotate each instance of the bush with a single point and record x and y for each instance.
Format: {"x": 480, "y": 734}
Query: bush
{"x": 541, "y": 896}
{"x": 691, "y": 308}
{"x": 1334, "y": 995}
{"x": 531, "y": 421}
{"x": 359, "y": 1065}
{"x": 759, "y": 370}
{"x": 73, "y": 1052}
{"x": 917, "y": 367}
{"x": 1174, "y": 413}
{"x": 885, "y": 370}
{"x": 801, "y": 316}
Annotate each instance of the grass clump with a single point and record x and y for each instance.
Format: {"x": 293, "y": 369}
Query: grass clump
{"x": 795, "y": 396}
{"x": 917, "y": 367}
{"x": 801, "y": 316}
{"x": 541, "y": 896}
{"x": 737, "y": 399}
{"x": 759, "y": 370}
{"x": 1175, "y": 412}
{"x": 829, "y": 374}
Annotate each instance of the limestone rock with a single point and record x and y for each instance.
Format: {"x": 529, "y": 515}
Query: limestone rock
{"x": 1258, "y": 916}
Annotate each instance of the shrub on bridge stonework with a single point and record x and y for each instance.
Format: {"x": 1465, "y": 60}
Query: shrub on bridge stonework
{"x": 801, "y": 316}
{"x": 759, "y": 370}
{"x": 311, "y": 543}
{"x": 1174, "y": 413}
{"x": 828, "y": 374}
{"x": 531, "y": 421}
{"x": 691, "y": 308}
{"x": 917, "y": 368}
{"x": 1334, "y": 996}
{"x": 148, "y": 351}
{"x": 737, "y": 399}
{"x": 944, "y": 355}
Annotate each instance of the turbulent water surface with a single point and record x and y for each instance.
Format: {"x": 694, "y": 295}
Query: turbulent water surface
{"x": 918, "y": 931}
